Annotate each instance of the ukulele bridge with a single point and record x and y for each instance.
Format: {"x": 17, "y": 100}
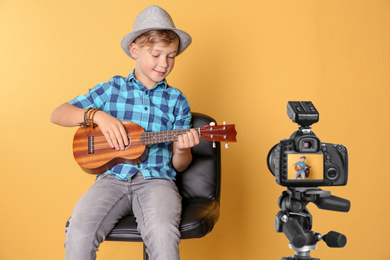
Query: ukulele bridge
{"x": 91, "y": 149}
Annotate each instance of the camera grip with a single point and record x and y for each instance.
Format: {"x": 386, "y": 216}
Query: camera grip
{"x": 334, "y": 203}
{"x": 294, "y": 233}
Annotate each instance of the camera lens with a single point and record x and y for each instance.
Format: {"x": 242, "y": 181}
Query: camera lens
{"x": 273, "y": 158}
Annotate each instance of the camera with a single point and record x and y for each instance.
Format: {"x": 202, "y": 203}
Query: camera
{"x": 302, "y": 163}
{"x": 303, "y": 160}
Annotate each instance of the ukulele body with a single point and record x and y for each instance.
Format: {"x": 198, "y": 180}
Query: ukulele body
{"x": 94, "y": 155}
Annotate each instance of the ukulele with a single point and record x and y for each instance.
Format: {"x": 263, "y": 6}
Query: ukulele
{"x": 298, "y": 167}
{"x": 94, "y": 155}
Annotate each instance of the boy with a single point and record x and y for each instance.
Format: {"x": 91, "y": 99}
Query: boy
{"x": 300, "y": 167}
{"x": 147, "y": 190}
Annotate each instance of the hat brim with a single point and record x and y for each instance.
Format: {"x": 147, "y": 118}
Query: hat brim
{"x": 184, "y": 39}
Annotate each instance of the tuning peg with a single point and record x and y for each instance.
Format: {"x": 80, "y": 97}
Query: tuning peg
{"x": 226, "y": 145}
{"x": 224, "y": 122}
{"x": 212, "y": 124}
{"x": 214, "y": 145}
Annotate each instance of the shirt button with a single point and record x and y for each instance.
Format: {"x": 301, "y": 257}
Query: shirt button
{"x": 146, "y": 109}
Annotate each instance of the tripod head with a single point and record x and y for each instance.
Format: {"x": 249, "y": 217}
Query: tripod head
{"x": 295, "y": 220}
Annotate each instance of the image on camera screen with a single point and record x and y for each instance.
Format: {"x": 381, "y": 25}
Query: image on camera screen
{"x": 305, "y": 167}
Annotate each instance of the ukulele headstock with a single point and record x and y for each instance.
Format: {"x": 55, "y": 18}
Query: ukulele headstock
{"x": 219, "y": 133}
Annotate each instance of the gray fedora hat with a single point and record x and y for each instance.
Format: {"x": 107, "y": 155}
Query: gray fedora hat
{"x": 154, "y": 18}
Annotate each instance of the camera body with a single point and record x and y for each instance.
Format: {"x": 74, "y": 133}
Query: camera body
{"x": 303, "y": 160}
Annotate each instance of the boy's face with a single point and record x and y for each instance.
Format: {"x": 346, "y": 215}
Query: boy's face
{"x": 303, "y": 159}
{"x": 153, "y": 63}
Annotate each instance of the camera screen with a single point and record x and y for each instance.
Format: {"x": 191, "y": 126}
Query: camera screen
{"x": 305, "y": 167}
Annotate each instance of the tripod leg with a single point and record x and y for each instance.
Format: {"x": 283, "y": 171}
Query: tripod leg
{"x": 146, "y": 257}
{"x": 298, "y": 258}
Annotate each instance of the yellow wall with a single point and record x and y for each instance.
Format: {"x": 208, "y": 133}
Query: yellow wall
{"x": 248, "y": 58}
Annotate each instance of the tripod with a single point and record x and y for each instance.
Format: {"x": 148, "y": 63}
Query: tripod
{"x": 295, "y": 220}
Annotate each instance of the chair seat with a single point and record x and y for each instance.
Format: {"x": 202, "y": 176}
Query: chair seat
{"x": 198, "y": 219}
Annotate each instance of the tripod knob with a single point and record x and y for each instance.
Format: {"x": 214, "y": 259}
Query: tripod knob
{"x": 335, "y": 239}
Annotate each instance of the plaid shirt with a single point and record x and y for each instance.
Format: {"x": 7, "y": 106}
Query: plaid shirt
{"x": 162, "y": 108}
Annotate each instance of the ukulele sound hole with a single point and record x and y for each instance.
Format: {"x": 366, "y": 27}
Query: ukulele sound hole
{"x": 127, "y": 146}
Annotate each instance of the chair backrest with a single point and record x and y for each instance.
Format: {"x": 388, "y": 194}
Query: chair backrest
{"x": 202, "y": 179}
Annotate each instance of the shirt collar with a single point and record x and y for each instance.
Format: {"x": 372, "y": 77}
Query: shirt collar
{"x": 131, "y": 78}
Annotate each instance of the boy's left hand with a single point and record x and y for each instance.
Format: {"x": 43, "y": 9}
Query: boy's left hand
{"x": 187, "y": 140}
{"x": 182, "y": 156}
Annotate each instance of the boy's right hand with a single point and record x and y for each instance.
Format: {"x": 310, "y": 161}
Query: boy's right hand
{"x": 112, "y": 129}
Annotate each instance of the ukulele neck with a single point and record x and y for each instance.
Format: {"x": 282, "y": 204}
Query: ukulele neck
{"x": 149, "y": 138}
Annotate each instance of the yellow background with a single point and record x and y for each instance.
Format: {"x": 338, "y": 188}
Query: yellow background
{"x": 316, "y": 161}
{"x": 247, "y": 59}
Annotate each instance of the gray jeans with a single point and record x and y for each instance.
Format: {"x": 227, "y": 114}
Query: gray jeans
{"x": 300, "y": 174}
{"x": 155, "y": 203}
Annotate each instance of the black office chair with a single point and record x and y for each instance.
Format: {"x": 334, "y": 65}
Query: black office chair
{"x": 199, "y": 186}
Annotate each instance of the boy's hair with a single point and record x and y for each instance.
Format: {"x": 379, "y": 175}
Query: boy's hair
{"x": 156, "y": 36}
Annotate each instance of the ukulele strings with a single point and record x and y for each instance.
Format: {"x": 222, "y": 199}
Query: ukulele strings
{"x": 137, "y": 139}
